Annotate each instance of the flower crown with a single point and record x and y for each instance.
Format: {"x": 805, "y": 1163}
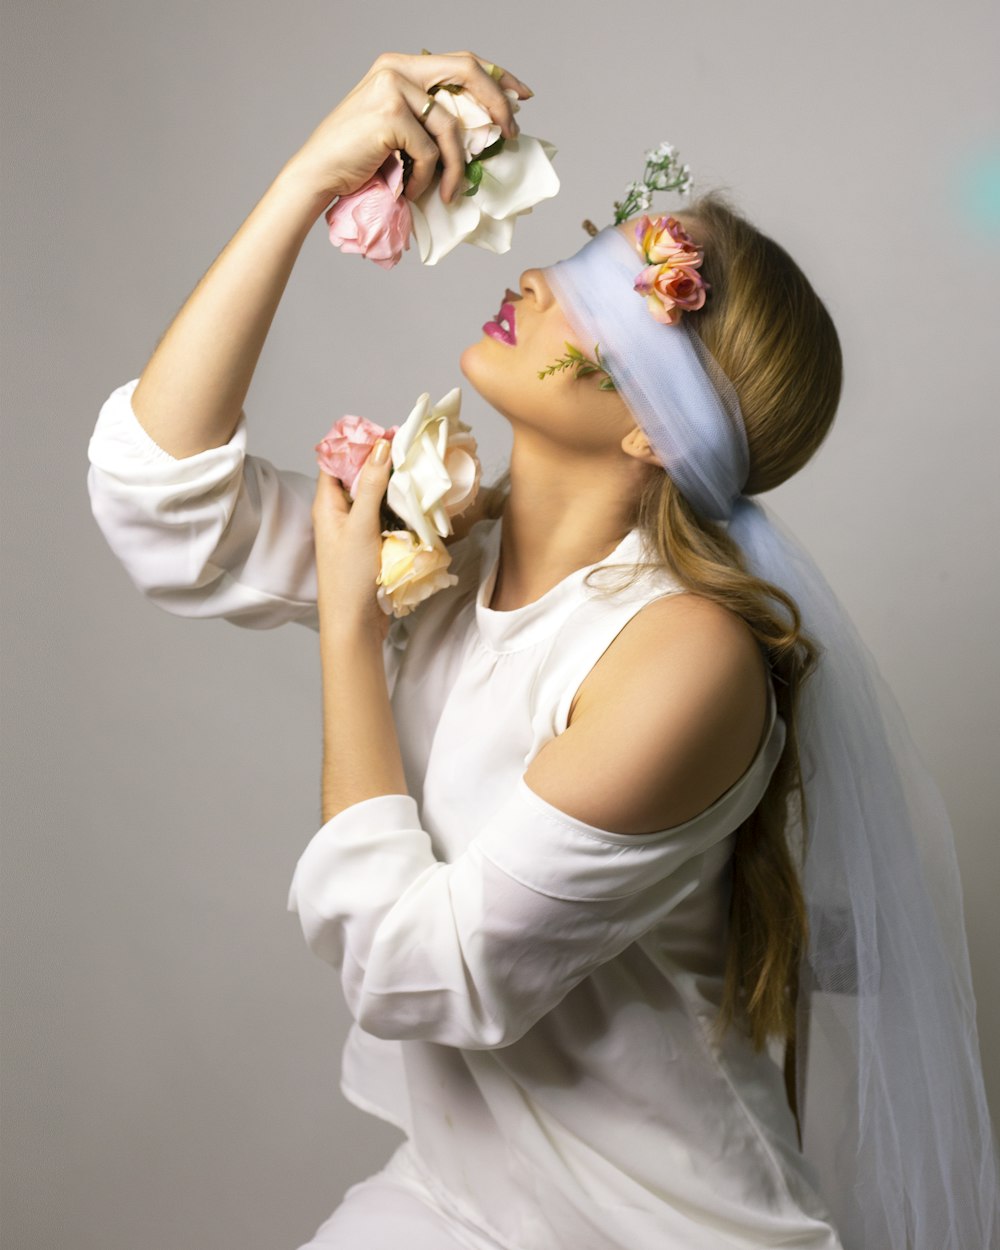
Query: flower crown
{"x": 669, "y": 280}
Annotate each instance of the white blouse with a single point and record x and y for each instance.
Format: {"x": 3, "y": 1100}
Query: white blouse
{"x": 532, "y": 995}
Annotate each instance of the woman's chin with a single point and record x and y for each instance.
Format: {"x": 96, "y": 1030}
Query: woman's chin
{"x": 494, "y": 381}
{"x": 472, "y": 367}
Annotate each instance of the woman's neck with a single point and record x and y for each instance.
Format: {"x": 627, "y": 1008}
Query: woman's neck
{"x": 549, "y": 530}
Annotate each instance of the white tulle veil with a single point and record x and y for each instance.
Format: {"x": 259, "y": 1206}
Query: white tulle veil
{"x": 888, "y": 1076}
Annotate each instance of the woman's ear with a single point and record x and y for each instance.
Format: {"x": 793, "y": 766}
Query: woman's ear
{"x": 635, "y": 443}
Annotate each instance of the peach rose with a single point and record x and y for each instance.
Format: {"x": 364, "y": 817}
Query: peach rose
{"x": 665, "y": 239}
{"x": 411, "y": 572}
{"x": 375, "y": 220}
{"x": 670, "y": 290}
{"x": 344, "y": 450}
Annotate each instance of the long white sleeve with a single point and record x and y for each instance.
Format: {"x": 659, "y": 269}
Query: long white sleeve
{"x": 473, "y": 952}
{"x": 219, "y": 534}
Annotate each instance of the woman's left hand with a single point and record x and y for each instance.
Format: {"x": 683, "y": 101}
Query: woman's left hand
{"x": 348, "y": 538}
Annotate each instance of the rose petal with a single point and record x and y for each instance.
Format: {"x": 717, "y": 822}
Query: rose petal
{"x": 408, "y": 431}
{"x": 410, "y": 572}
{"x": 477, "y": 129}
{"x": 495, "y": 236}
{"x": 440, "y": 227}
{"x": 517, "y": 178}
{"x": 451, "y": 403}
{"x": 392, "y": 171}
{"x": 513, "y": 181}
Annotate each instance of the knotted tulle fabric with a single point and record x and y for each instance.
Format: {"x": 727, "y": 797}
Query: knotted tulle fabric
{"x": 891, "y": 1101}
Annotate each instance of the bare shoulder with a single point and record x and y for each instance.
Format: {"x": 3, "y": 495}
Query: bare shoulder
{"x": 690, "y": 649}
{"x": 667, "y": 720}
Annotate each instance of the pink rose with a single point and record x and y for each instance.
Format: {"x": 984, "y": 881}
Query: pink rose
{"x": 375, "y": 220}
{"x": 670, "y": 290}
{"x": 344, "y": 450}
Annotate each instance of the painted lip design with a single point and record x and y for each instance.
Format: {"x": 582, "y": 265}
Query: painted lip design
{"x": 496, "y": 330}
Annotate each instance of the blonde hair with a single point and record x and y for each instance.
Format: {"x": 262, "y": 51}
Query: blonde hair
{"x": 776, "y": 342}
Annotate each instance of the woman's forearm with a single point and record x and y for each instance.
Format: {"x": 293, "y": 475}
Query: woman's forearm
{"x": 192, "y": 390}
{"x": 361, "y": 756}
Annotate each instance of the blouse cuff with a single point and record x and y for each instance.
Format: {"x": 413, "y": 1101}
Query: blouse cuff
{"x": 120, "y": 439}
{"x": 367, "y": 853}
{"x": 132, "y": 429}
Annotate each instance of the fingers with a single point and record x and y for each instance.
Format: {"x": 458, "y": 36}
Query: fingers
{"x": 471, "y": 72}
{"x": 463, "y": 69}
{"x": 445, "y": 146}
{"x": 330, "y": 496}
{"x": 413, "y": 137}
{"x": 372, "y": 483}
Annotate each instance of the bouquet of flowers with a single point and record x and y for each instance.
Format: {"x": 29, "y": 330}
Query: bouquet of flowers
{"x": 505, "y": 177}
{"x": 435, "y": 475}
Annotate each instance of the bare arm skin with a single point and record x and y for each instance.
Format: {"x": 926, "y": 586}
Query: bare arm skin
{"x": 191, "y": 392}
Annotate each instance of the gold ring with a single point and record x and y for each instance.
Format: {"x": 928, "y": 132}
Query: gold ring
{"x": 427, "y": 107}
{"x": 494, "y": 71}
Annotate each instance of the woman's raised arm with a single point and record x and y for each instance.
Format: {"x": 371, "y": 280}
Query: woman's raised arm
{"x": 202, "y": 527}
{"x": 191, "y": 393}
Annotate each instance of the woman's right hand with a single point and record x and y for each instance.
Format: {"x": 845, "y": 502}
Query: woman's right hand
{"x": 381, "y": 114}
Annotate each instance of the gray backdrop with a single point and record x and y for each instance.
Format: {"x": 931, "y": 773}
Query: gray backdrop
{"x": 170, "y": 1047}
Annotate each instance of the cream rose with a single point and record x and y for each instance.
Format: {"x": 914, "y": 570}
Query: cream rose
{"x": 436, "y": 471}
{"x": 514, "y": 181}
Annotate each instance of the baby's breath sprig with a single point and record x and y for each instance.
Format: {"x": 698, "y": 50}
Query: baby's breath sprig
{"x": 575, "y": 359}
{"x": 663, "y": 172}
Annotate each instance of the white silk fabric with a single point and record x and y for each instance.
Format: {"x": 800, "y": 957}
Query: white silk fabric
{"x": 536, "y": 993}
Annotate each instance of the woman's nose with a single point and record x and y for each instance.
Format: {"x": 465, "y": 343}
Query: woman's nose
{"x": 533, "y": 281}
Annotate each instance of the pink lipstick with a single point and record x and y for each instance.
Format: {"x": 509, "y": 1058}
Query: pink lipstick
{"x": 502, "y": 327}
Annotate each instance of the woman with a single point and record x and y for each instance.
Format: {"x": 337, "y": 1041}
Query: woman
{"x": 554, "y": 872}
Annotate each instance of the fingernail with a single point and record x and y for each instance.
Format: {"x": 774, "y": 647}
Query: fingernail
{"x": 381, "y": 451}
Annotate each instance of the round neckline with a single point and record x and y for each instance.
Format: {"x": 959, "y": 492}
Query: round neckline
{"x": 517, "y": 628}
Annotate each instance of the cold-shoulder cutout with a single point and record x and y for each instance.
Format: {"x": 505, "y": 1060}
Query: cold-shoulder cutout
{"x": 667, "y": 721}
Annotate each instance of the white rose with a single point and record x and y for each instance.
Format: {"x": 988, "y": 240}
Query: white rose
{"x": 514, "y": 181}
{"x": 477, "y": 129}
{"x": 436, "y": 471}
